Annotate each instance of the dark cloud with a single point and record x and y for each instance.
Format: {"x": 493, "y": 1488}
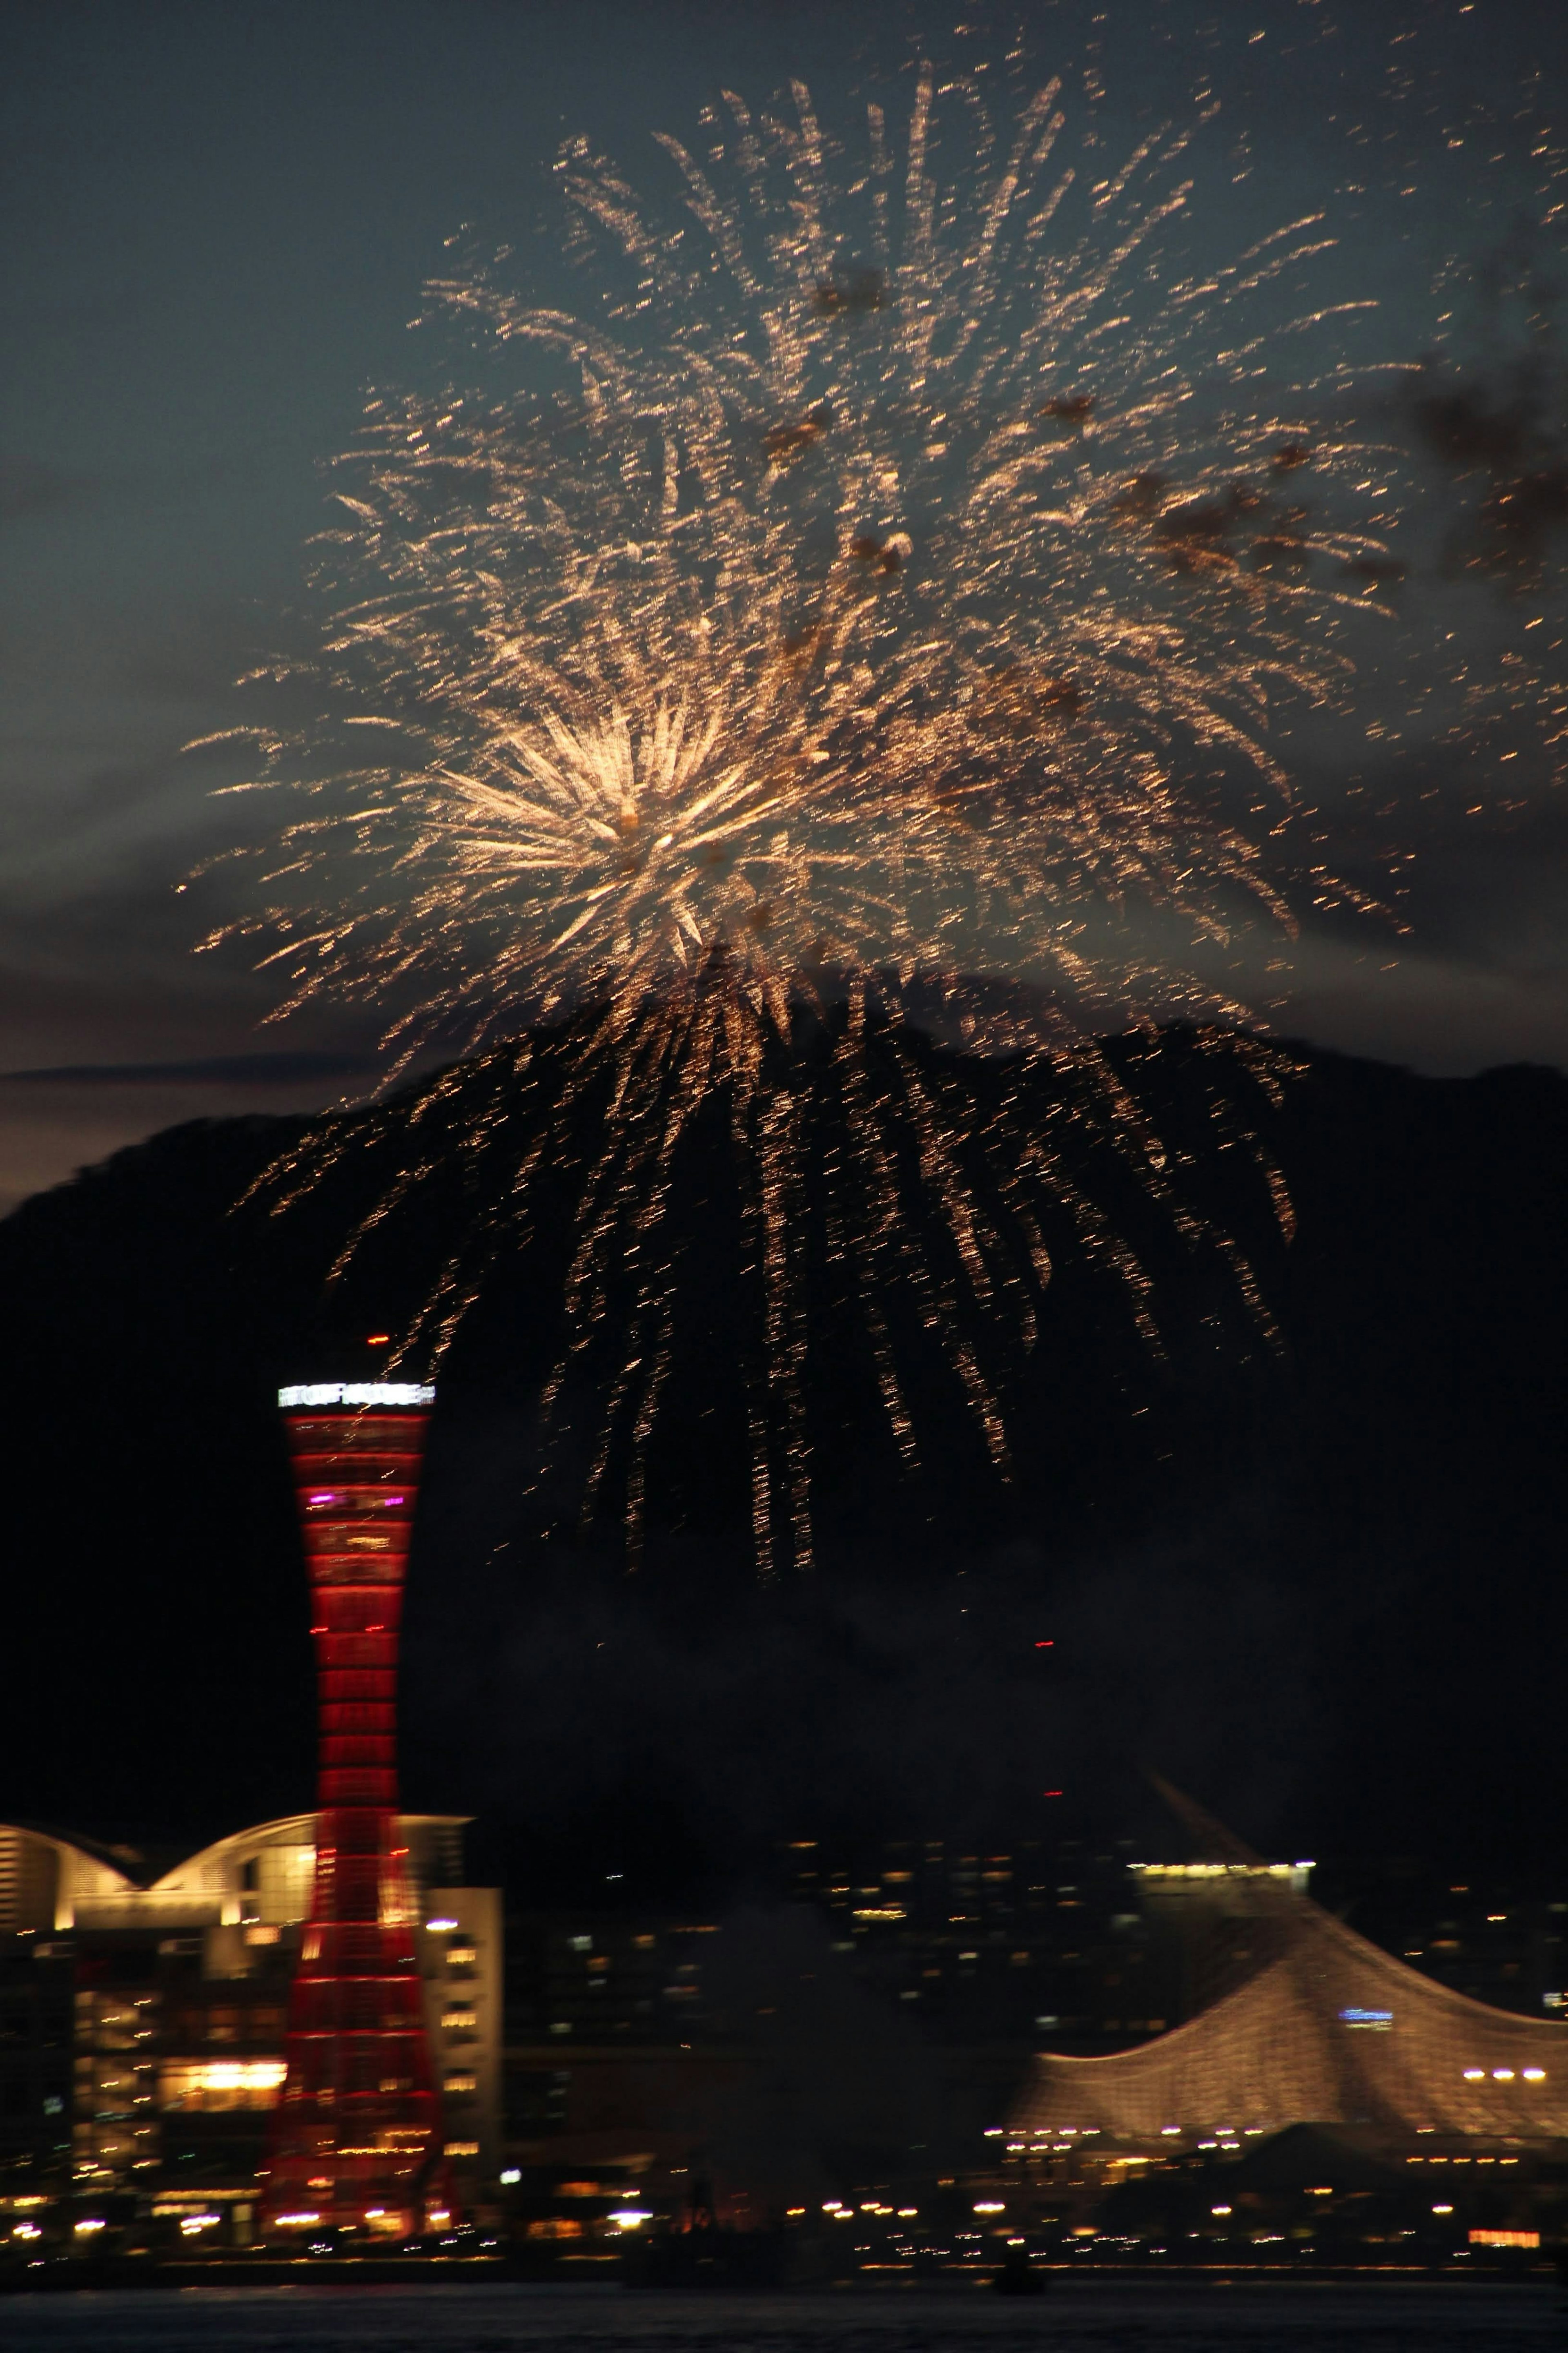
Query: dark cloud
{"x": 282, "y": 1069}
{"x": 29, "y": 488}
{"x": 1505, "y": 441}
{"x": 1493, "y": 414}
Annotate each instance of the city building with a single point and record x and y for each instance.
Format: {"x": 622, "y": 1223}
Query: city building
{"x": 1323, "y": 2030}
{"x": 143, "y": 2018}
{"x": 996, "y": 1947}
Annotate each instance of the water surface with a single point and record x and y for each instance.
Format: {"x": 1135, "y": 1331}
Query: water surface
{"x": 1300, "y": 2317}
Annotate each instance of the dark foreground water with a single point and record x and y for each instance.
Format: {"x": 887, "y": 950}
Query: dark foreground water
{"x": 1298, "y": 2318}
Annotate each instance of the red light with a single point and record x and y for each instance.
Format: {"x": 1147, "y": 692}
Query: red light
{"x": 1050, "y": 1793}
{"x": 359, "y": 2109}
{"x": 1044, "y": 1646}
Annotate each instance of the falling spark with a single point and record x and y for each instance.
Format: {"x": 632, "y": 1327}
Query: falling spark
{"x": 881, "y": 579}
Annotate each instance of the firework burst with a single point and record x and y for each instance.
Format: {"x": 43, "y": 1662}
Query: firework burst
{"x": 879, "y": 579}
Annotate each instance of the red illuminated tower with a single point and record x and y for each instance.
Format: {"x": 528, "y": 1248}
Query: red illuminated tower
{"x": 356, "y": 2134}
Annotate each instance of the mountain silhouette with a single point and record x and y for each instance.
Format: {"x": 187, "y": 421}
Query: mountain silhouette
{"x": 1302, "y": 1549}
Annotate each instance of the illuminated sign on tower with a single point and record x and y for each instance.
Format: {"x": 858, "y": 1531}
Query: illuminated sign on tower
{"x": 356, "y": 2134}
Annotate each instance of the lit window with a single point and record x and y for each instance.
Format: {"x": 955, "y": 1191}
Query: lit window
{"x": 462, "y": 2149}
{"x": 393, "y": 1393}
{"x": 218, "y": 2084}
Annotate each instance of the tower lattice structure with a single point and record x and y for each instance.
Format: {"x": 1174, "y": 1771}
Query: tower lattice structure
{"x": 356, "y": 2137}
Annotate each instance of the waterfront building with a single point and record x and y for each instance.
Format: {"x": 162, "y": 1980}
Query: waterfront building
{"x": 1322, "y": 2028}
{"x": 143, "y": 2014}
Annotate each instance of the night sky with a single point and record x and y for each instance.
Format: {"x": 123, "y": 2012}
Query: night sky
{"x": 1322, "y": 1587}
{"x": 220, "y": 220}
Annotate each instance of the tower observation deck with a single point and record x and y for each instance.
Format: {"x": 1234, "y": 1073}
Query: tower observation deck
{"x": 356, "y": 2139}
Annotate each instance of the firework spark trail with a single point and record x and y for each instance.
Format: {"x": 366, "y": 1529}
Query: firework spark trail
{"x": 853, "y": 596}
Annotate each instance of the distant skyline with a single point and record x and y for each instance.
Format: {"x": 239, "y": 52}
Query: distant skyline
{"x": 221, "y": 216}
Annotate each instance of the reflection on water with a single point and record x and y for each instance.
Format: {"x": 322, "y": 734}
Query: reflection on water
{"x": 1300, "y": 2318}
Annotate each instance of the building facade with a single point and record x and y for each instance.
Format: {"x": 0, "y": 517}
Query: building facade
{"x": 143, "y": 2021}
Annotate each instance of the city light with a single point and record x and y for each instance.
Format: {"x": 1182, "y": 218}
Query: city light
{"x": 630, "y": 2217}
{"x": 397, "y": 1393}
{"x": 356, "y": 1952}
{"x": 228, "y": 2074}
{"x": 1221, "y": 1869}
{"x": 511, "y": 2176}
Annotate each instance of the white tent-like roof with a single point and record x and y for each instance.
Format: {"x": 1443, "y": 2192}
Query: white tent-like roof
{"x": 1332, "y": 2030}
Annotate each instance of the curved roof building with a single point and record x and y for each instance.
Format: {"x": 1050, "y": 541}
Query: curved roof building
{"x": 266, "y": 1873}
{"x": 1329, "y": 2029}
